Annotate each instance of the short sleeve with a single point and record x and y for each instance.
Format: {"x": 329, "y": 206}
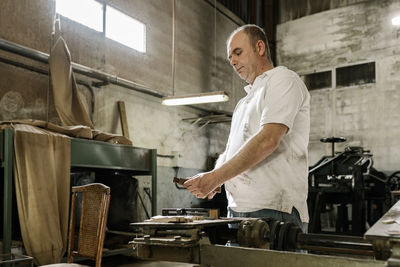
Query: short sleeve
{"x": 282, "y": 100}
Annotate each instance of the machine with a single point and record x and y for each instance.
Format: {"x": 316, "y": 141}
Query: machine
{"x": 348, "y": 182}
{"x": 265, "y": 242}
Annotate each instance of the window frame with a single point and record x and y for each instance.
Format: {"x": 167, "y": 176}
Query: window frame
{"x": 103, "y": 32}
{"x": 144, "y": 32}
{"x": 334, "y": 73}
{"x": 80, "y": 23}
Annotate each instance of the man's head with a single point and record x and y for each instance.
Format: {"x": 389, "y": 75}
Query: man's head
{"x": 248, "y": 52}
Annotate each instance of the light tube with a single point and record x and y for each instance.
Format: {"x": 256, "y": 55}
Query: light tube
{"x": 210, "y": 97}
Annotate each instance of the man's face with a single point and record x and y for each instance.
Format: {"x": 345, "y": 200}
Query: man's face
{"x": 242, "y": 57}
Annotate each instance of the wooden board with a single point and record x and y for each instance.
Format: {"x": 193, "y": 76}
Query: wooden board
{"x": 124, "y": 121}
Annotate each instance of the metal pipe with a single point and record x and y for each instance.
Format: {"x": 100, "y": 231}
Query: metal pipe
{"x": 226, "y": 12}
{"x": 327, "y": 238}
{"x": 44, "y": 58}
{"x": 154, "y": 182}
{"x": 335, "y": 244}
{"x": 259, "y": 13}
{"x": 338, "y": 250}
{"x": 46, "y": 72}
{"x": 23, "y": 65}
{"x": 105, "y": 77}
{"x": 24, "y": 51}
{"x": 7, "y": 198}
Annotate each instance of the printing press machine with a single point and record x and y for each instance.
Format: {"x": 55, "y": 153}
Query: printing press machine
{"x": 264, "y": 242}
{"x": 346, "y": 179}
{"x": 346, "y": 183}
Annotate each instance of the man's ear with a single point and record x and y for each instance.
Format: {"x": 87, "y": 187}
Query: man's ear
{"x": 260, "y": 46}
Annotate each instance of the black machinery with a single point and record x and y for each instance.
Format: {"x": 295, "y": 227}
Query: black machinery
{"x": 347, "y": 180}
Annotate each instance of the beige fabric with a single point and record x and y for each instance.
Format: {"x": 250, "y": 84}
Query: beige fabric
{"x": 110, "y": 138}
{"x": 66, "y": 98}
{"x": 42, "y": 183}
{"x": 78, "y": 131}
{"x": 42, "y": 178}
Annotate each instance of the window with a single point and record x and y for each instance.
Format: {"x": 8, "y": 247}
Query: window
{"x": 77, "y": 10}
{"x": 118, "y": 26}
{"x": 125, "y": 30}
{"x": 355, "y": 75}
{"x": 318, "y": 80}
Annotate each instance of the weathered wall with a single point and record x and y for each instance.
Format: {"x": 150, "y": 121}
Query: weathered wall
{"x": 294, "y": 9}
{"x": 366, "y": 115}
{"x": 24, "y": 94}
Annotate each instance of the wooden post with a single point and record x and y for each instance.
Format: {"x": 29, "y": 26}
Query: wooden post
{"x": 124, "y": 121}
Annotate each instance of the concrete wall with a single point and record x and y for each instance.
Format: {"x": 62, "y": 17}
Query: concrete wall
{"x": 199, "y": 67}
{"x": 366, "y": 115}
{"x": 288, "y": 11}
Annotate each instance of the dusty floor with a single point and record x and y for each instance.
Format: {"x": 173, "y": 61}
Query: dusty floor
{"x": 125, "y": 261}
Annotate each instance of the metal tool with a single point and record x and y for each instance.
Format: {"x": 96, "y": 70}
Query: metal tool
{"x": 181, "y": 181}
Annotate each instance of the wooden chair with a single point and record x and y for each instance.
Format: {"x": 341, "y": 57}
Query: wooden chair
{"x": 94, "y": 210}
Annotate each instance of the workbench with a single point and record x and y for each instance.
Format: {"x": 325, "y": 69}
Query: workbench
{"x": 86, "y": 154}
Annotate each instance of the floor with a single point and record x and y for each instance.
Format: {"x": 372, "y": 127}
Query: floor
{"x": 125, "y": 261}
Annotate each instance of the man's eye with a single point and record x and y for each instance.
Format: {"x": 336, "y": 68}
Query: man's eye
{"x": 238, "y": 53}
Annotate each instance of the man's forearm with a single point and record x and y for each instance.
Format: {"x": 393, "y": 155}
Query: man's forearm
{"x": 252, "y": 152}
{"x": 221, "y": 159}
{"x": 255, "y": 150}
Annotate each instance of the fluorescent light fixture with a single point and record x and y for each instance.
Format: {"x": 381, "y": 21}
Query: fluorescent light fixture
{"x": 396, "y": 21}
{"x": 210, "y": 97}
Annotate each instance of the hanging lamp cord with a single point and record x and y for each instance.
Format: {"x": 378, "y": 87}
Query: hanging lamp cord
{"x": 215, "y": 40}
{"x": 173, "y": 47}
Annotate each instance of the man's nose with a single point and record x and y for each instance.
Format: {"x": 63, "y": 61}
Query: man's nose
{"x": 233, "y": 62}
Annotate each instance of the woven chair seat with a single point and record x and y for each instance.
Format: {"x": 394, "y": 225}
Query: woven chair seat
{"x": 65, "y": 265}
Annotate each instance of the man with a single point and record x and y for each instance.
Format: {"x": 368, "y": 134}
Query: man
{"x": 265, "y": 164}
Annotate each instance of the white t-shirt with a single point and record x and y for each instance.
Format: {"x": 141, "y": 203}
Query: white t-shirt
{"x": 281, "y": 180}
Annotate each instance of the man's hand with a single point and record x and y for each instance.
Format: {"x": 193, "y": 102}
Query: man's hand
{"x": 256, "y": 149}
{"x": 202, "y": 185}
{"x": 213, "y": 193}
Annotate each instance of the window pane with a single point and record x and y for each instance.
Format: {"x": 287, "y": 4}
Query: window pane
{"x": 318, "y": 80}
{"x": 125, "y": 30}
{"x": 355, "y": 75}
{"x": 86, "y": 12}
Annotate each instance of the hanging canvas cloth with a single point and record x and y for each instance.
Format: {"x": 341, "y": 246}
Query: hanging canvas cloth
{"x": 66, "y": 97}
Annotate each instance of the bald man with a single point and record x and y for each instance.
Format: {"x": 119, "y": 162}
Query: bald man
{"x": 265, "y": 164}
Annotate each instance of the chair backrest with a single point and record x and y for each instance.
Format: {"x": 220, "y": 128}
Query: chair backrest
{"x": 94, "y": 210}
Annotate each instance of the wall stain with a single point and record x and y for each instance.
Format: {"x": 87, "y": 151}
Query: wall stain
{"x": 11, "y": 102}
